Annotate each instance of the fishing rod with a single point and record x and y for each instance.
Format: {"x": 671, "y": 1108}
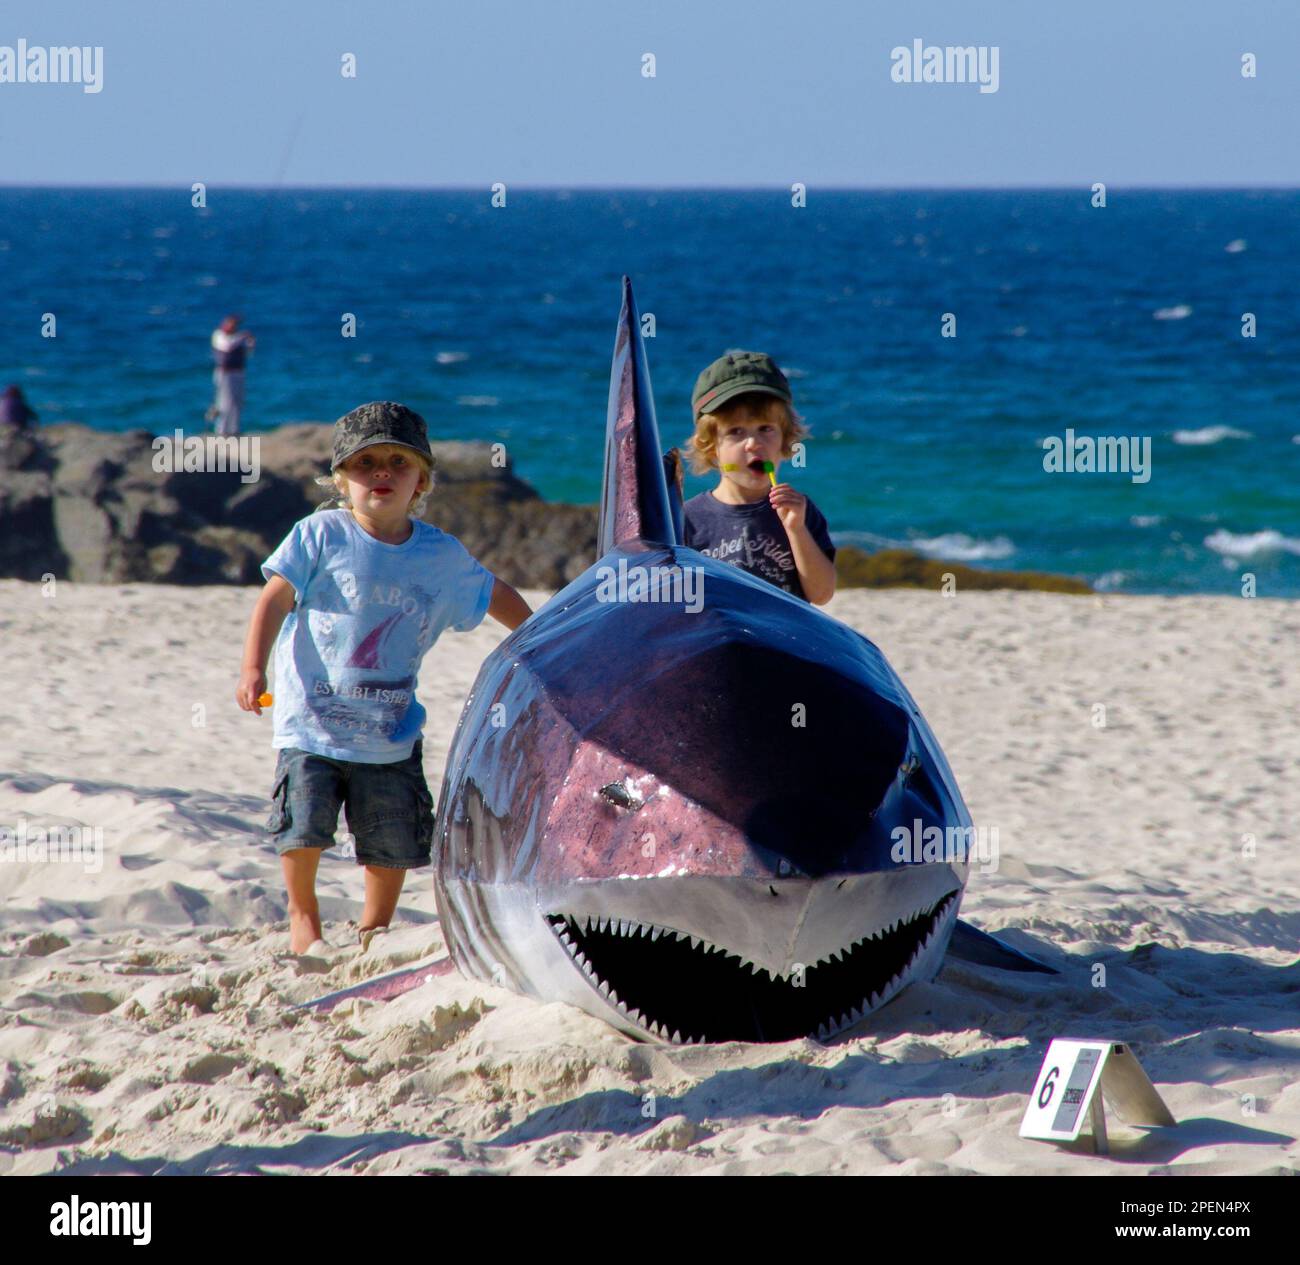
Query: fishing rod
{"x": 261, "y": 237}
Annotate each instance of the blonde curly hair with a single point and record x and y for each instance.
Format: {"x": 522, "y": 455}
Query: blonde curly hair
{"x": 702, "y": 447}
{"x": 419, "y": 502}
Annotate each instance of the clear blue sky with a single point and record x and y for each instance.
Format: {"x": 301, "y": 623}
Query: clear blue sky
{"x": 747, "y": 92}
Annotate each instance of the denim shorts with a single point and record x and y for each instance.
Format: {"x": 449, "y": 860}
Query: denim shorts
{"x": 389, "y": 808}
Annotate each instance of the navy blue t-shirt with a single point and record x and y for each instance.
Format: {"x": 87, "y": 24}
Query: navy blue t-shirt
{"x": 751, "y": 537}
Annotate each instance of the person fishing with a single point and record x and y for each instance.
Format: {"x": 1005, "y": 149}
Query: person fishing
{"x": 230, "y": 348}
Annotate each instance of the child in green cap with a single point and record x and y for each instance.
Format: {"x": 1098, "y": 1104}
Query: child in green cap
{"x": 744, "y": 417}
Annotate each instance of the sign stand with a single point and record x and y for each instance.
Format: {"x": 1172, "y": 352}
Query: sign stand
{"x": 1073, "y": 1083}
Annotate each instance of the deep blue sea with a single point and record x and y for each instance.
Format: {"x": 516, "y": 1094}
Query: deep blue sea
{"x": 497, "y": 324}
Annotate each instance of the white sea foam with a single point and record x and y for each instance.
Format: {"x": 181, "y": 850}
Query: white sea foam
{"x": 1209, "y": 435}
{"x": 959, "y": 547}
{"x": 952, "y": 546}
{"x": 1236, "y": 246}
{"x": 452, "y": 357}
{"x": 1178, "y": 312}
{"x": 1251, "y": 544}
{"x": 1146, "y": 520}
{"x": 478, "y": 401}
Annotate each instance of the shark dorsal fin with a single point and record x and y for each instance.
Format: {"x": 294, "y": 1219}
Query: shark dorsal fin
{"x": 636, "y": 501}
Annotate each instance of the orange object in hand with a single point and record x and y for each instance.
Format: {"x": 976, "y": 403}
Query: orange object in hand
{"x": 264, "y": 700}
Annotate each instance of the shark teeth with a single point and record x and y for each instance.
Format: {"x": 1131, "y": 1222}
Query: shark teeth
{"x": 880, "y": 996}
{"x": 844, "y": 1013}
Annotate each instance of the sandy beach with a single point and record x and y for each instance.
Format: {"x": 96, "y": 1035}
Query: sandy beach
{"x": 146, "y": 1006}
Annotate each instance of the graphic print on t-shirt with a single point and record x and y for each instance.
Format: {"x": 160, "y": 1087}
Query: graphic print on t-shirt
{"x": 366, "y": 614}
{"x": 758, "y": 553}
{"x": 379, "y": 680}
{"x": 752, "y": 538}
{"x": 366, "y": 655}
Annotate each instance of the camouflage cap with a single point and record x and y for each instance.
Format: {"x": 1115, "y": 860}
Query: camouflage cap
{"x": 735, "y": 374}
{"x": 380, "y": 422}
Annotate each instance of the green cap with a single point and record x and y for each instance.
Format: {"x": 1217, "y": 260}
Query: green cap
{"x": 737, "y": 373}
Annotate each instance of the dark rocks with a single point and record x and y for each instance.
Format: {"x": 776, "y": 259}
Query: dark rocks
{"x": 106, "y": 508}
{"x": 90, "y": 505}
{"x": 903, "y": 568}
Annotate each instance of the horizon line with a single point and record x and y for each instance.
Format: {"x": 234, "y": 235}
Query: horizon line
{"x": 661, "y": 188}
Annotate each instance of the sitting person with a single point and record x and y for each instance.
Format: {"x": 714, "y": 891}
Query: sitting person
{"x": 14, "y": 409}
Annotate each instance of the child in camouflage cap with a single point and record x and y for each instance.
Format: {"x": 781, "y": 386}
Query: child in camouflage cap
{"x": 362, "y": 591}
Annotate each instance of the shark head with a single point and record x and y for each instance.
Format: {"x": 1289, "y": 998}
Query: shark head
{"x": 675, "y": 795}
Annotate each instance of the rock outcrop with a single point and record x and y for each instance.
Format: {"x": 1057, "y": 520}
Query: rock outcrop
{"x": 91, "y": 505}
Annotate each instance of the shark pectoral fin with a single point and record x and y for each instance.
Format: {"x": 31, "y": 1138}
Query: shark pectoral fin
{"x": 970, "y": 944}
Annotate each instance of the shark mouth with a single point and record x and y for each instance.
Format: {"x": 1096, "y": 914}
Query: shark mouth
{"x": 681, "y": 988}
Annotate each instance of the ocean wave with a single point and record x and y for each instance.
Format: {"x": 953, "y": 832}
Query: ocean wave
{"x": 1236, "y": 246}
{"x": 959, "y": 547}
{"x": 1209, "y": 435}
{"x": 1251, "y": 544}
{"x": 1109, "y": 581}
{"x": 951, "y": 546}
{"x": 1179, "y": 312}
{"x": 451, "y": 357}
{"x": 478, "y": 401}
{"x": 1146, "y": 520}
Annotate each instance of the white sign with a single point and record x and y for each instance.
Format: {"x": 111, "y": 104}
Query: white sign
{"x": 1076, "y": 1078}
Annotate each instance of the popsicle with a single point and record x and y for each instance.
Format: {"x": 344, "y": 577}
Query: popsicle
{"x": 768, "y": 469}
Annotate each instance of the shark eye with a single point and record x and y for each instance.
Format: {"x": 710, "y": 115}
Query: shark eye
{"x": 618, "y": 794}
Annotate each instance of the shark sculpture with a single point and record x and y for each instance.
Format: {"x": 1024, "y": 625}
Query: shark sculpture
{"x": 672, "y": 794}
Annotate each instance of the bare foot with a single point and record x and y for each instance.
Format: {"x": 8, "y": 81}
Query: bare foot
{"x": 304, "y": 931}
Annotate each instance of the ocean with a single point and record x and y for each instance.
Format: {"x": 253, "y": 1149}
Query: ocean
{"x": 497, "y": 323}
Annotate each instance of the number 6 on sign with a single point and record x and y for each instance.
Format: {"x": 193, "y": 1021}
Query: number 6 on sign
{"x": 1074, "y": 1081}
{"x": 1048, "y": 1087}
